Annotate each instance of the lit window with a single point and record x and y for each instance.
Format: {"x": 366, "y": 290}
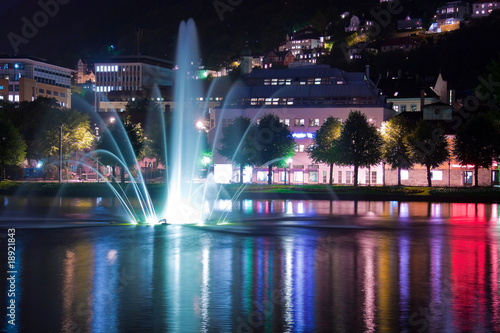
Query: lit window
{"x": 298, "y": 176}
{"x": 262, "y": 176}
{"x": 396, "y": 108}
{"x": 16, "y": 98}
{"x": 313, "y": 176}
{"x": 437, "y": 175}
{"x": 301, "y": 148}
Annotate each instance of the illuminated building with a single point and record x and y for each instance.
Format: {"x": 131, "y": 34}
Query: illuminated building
{"x": 124, "y": 78}
{"x": 302, "y": 97}
{"x": 449, "y": 16}
{"x": 484, "y": 8}
{"x": 26, "y": 79}
{"x": 304, "y": 39}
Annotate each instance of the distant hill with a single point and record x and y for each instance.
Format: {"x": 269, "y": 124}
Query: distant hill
{"x": 86, "y": 28}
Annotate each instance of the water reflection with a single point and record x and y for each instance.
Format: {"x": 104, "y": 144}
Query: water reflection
{"x": 435, "y": 276}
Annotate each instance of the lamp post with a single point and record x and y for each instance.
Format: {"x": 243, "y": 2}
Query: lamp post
{"x": 60, "y": 153}
{"x": 289, "y": 163}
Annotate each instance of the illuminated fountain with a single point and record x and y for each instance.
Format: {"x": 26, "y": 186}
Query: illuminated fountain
{"x": 185, "y": 202}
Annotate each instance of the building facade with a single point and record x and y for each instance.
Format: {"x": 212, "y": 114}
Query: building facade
{"x": 123, "y": 78}
{"x": 302, "y": 97}
{"x": 484, "y": 8}
{"x": 452, "y": 13}
{"x": 25, "y": 79}
{"x": 304, "y": 39}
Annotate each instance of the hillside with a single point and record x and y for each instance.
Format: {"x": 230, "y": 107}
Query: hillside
{"x": 86, "y": 28}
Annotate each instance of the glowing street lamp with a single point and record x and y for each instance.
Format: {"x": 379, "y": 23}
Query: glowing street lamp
{"x": 206, "y": 160}
{"x": 200, "y": 126}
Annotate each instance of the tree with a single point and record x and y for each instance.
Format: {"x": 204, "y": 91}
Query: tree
{"x": 155, "y": 124}
{"x": 76, "y": 133}
{"x": 125, "y": 141}
{"x": 477, "y": 142}
{"x": 359, "y": 143}
{"x": 396, "y": 150}
{"x": 324, "y": 144}
{"x": 429, "y": 146}
{"x": 12, "y": 146}
{"x": 39, "y": 124}
{"x": 272, "y": 145}
{"x": 236, "y": 143}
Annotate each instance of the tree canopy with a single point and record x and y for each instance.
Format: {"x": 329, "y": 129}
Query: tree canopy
{"x": 123, "y": 139}
{"x": 273, "y": 144}
{"x": 396, "y": 150}
{"x": 477, "y": 142}
{"x": 359, "y": 143}
{"x": 324, "y": 144}
{"x": 236, "y": 142}
{"x": 429, "y": 146}
{"x": 12, "y": 146}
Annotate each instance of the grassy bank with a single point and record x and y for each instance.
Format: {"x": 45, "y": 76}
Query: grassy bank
{"x": 255, "y": 191}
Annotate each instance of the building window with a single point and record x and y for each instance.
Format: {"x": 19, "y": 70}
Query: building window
{"x": 324, "y": 177}
{"x": 396, "y": 108}
{"x": 56, "y": 93}
{"x": 374, "y": 177}
{"x": 299, "y": 122}
{"x": 413, "y": 107}
{"x": 348, "y": 177}
{"x": 287, "y": 122}
{"x": 262, "y": 176}
{"x": 301, "y": 148}
{"x": 49, "y": 92}
{"x": 403, "y": 108}
{"x": 313, "y": 176}
{"x": 437, "y": 175}
{"x": 314, "y": 122}
{"x": 63, "y": 94}
{"x": 41, "y": 91}
{"x": 340, "y": 177}
{"x": 298, "y": 176}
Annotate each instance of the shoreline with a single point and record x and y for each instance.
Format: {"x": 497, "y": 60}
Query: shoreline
{"x": 276, "y": 192}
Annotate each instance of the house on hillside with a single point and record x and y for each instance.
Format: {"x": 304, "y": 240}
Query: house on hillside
{"x": 484, "y": 8}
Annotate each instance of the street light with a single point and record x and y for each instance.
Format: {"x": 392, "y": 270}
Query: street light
{"x": 60, "y": 154}
{"x": 200, "y": 126}
{"x": 289, "y": 163}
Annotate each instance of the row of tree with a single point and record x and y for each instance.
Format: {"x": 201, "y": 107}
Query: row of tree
{"x": 358, "y": 143}
{"x": 31, "y": 130}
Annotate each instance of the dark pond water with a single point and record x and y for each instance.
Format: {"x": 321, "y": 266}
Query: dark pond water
{"x": 275, "y": 266}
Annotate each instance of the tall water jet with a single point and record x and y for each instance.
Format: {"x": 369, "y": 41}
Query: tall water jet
{"x": 184, "y": 203}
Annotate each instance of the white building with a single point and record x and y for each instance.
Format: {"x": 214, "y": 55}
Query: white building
{"x": 484, "y": 8}
{"x": 25, "y": 79}
{"x": 302, "y": 98}
{"x": 304, "y": 39}
{"x": 121, "y": 78}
